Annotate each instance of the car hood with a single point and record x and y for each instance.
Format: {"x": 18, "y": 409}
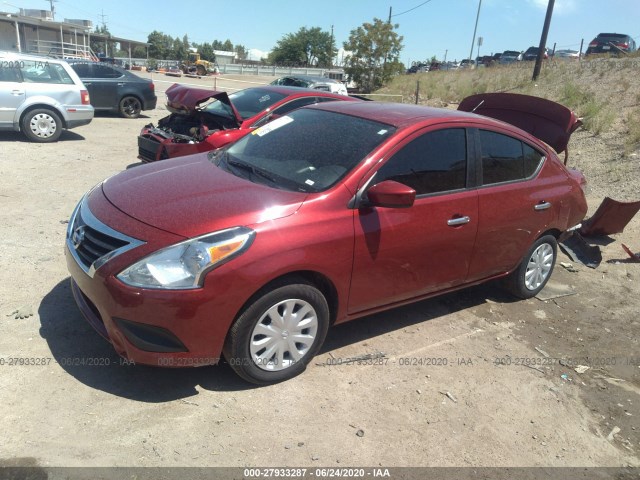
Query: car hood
{"x": 191, "y": 196}
{"x": 546, "y": 120}
{"x": 187, "y": 100}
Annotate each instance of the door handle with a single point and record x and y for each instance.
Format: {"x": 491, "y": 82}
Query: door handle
{"x": 86, "y": 84}
{"x": 120, "y": 84}
{"x": 17, "y": 92}
{"x": 542, "y": 206}
{"x": 453, "y": 222}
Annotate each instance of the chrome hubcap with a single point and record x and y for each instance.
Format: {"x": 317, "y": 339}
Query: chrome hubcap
{"x": 539, "y": 266}
{"x": 43, "y": 125}
{"x": 283, "y": 335}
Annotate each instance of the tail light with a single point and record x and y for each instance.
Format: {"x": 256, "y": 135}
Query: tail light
{"x": 622, "y": 45}
{"x": 84, "y": 95}
{"x": 153, "y": 86}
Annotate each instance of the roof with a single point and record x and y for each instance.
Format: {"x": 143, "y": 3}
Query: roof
{"x": 398, "y": 115}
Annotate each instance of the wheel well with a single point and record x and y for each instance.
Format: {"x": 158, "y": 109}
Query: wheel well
{"x": 554, "y": 232}
{"x": 44, "y": 106}
{"x": 315, "y": 279}
{"x": 137, "y": 97}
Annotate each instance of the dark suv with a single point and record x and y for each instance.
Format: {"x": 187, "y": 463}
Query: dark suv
{"x": 532, "y": 53}
{"x": 112, "y": 88}
{"x": 611, "y": 43}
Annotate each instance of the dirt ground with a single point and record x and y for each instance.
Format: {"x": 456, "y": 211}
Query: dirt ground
{"x": 472, "y": 378}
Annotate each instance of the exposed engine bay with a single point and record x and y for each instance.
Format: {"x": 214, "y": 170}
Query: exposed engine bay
{"x": 189, "y": 128}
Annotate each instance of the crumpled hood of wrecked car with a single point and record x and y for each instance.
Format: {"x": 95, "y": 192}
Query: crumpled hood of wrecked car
{"x": 191, "y": 196}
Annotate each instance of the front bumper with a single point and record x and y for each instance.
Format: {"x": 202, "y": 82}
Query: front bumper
{"x": 147, "y": 326}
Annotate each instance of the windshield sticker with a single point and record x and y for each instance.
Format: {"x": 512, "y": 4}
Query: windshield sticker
{"x": 309, "y": 182}
{"x": 382, "y": 132}
{"x": 271, "y": 126}
{"x": 265, "y": 98}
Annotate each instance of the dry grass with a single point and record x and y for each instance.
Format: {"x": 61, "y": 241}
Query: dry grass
{"x": 585, "y": 87}
{"x": 632, "y": 140}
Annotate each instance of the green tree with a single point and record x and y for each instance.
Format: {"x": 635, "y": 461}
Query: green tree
{"x": 241, "y": 52}
{"x": 374, "y": 54}
{"x": 305, "y": 47}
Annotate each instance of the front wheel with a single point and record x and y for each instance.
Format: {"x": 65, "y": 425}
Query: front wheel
{"x": 42, "y": 125}
{"x": 535, "y": 269}
{"x": 278, "y": 334}
{"x": 130, "y": 107}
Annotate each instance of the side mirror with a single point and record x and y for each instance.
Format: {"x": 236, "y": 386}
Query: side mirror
{"x": 390, "y": 194}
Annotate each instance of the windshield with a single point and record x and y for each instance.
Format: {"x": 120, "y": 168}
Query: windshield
{"x": 308, "y": 150}
{"x": 247, "y": 102}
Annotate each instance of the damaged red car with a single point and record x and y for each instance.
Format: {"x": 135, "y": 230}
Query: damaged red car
{"x": 332, "y": 212}
{"x": 203, "y": 120}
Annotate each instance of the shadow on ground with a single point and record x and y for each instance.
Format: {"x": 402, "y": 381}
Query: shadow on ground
{"x": 83, "y": 354}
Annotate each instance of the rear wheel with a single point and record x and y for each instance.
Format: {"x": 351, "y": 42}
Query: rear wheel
{"x": 130, "y": 107}
{"x": 42, "y": 125}
{"x": 200, "y": 70}
{"x": 278, "y": 334}
{"x": 535, "y": 269}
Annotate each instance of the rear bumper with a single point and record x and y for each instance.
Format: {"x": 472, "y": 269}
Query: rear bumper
{"x": 78, "y": 115}
{"x": 149, "y": 103}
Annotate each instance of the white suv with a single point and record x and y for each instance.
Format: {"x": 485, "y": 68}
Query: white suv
{"x": 41, "y": 96}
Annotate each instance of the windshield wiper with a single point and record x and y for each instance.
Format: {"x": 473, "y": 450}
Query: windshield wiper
{"x": 250, "y": 168}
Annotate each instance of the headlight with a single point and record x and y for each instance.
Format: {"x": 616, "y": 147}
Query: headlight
{"x": 185, "y": 264}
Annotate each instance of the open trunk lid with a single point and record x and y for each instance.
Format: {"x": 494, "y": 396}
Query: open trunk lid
{"x": 546, "y": 120}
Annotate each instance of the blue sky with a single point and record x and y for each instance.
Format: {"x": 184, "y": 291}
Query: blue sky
{"x": 430, "y": 29}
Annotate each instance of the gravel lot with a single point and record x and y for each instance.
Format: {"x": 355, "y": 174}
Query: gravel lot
{"x": 469, "y": 379}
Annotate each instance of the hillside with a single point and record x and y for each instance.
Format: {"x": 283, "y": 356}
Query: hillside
{"x": 604, "y": 92}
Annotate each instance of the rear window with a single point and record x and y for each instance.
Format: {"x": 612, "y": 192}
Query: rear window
{"x": 36, "y": 71}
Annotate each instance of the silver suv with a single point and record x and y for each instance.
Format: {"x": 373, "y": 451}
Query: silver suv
{"x": 40, "y": 96}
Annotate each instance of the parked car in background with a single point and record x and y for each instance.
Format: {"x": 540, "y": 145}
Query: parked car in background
{"x": 496, "y": 57}
{"x": 466, "y": 63}
{"x": 316, "y": 83}
{"x": 510, "y": 56}
{"x": 532, "y": 53}
{"x": 41, "y": 96}
{"x": 202, "y": 120}
{"x": 115, "y": 89}
{"x": 567, "y": 54}
{"x": 329, "y": 213}
{"x": 615, "y": 43}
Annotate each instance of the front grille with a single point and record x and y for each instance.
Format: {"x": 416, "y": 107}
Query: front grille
{"x": 92, "y": 243}
{"x": 147, "y": 149}
{"x": 95, "y": 244}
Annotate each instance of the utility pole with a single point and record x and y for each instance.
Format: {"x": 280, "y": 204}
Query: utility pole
{"x": 390, "y": 9}
{"x": 51, "y": 2}
{"x": 331, "y": 49}
{"x": 445, "y": 55}
{"x": 473, "y": 41}
{"x": 543, "y": 40}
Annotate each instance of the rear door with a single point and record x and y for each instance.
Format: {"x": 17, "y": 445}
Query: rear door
{"x": 103, "y": 83}
{"x": 12, "y": 93}
{"x": 518, "y": 199}
{"x": 402, "y": 253}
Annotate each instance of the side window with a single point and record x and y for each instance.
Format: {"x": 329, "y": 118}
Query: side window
{"x": 83, "y": 70}
{"x": 434, "y": 162}
{"x": 10, "y": 73}
{"x": 37, "y": 71}
{"x": 103, "y": 71}
{"x": 505, "y": 159}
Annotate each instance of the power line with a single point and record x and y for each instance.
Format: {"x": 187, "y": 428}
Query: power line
{"x": 411, "y": 9}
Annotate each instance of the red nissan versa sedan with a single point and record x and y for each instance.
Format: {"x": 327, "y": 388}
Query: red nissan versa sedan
{"x": 329, "y": 213}
{"x": 202, "y": 120}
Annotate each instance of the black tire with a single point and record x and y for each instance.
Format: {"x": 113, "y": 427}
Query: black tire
{"x": 130, "y": 107}
{"x": 536, "y": 268}
{"x": 261, "y": 365}
{"x": 41, "y": 125}
{"x": 200, "y": 70}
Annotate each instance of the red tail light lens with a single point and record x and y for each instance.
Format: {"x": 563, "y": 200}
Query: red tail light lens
{"x": 622, "y": 45}
{"x": 153, "y": 86}
{"x": 84, "y": 95}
